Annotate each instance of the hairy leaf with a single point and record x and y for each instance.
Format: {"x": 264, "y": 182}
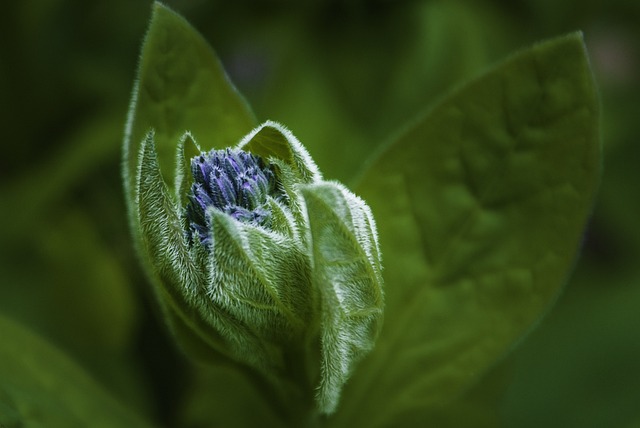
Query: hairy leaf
{"x": 259, "y": 291}
{"x": 346, "y": 273}
{"x": 164, "y": 249}
{"x": 481, "y": 205}
{"x": 273, "y": 141}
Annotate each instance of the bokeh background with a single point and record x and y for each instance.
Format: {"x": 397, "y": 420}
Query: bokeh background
{"x": 345, "y": 76}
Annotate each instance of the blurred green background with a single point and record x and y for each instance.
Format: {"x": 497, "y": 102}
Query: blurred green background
{"x": 344, "y": 76}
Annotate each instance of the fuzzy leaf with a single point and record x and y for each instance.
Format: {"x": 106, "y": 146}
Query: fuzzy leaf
{"x": 259, "y": 291}
{"x": 281, "y": 148}
{"x": 164, "y": 243}
{"x": 180, "y": 282}
{"x": 180, "y": 87}
{"x": 481, "y": 207}
{"x": 346, "y": 272}
{"x": 273, "y": 141}
{"x": 41, "y": 386}
{"x": 186, "y": 150}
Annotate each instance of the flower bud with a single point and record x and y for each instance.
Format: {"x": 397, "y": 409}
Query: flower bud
{"x": 259, "y": 259}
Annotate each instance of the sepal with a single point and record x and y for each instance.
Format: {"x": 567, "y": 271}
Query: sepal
{"x": 347, "y": 274}
{"x": 261, "y": 280}
{"x": 277, "y": 144}
{"x": 161, "y": 231}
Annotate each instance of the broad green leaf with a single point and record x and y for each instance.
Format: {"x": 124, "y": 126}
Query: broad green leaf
{"x": 180, "y": 87}
{"x": 480, "y": 207}
{"x": 42, "y": 387}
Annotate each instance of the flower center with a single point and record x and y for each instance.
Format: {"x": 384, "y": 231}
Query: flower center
{"x": 232, "y": 181}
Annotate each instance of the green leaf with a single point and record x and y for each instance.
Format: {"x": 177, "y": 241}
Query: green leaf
{"x": 40, "y": 386}
{"x": 165, "y": 246}
{"x": 347, "y": 275}
{"x": 273, "y": 141}
{"x": 186, "y": 150}
{"x": 258, "y": 291}
{"x": 180, "y": 87}
{"x": 480, "y": 206}
{"x": 178, "y": 277}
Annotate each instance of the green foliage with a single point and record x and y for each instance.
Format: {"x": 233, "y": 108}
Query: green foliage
{"x": 261, "y": 296}
{"x": 348, "y": 277}
{"x": 480, "y": 206}
{"x": 481, "y": 203}
{"x": 41, "y": 387}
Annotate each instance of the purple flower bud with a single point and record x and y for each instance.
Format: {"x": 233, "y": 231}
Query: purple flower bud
{"x": 233, "y": 181}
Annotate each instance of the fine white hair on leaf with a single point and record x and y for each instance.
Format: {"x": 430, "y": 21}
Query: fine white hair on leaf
{"x": 161, "y": 227}
{"x": 301, "y": 158}
{"x": 182, "y": 171}
{"x": 347, "y": 275}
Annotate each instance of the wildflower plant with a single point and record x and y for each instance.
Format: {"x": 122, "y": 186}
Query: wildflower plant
{"x": 261, "y": 259}
{"x": 262, "y": 267}
{"x": 265, "y": 262}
